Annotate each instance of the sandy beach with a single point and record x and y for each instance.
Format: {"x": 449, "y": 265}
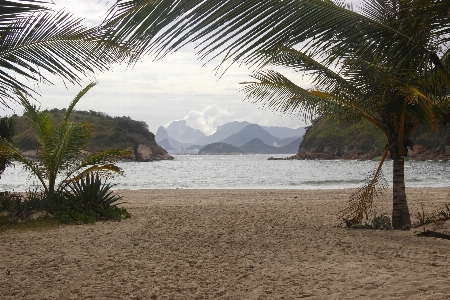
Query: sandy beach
{"x": 229, "y": 244}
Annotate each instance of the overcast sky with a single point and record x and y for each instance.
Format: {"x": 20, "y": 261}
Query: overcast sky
{"x": 159, "y": 92}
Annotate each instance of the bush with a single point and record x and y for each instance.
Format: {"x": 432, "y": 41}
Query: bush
{"x": 88, "y": 200}
{"x": 378, "y": 223}
{"x": 19, "y": 207}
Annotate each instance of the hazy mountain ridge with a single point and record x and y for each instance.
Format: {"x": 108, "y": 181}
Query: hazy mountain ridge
{"x": 222, "y": 132}
{"x": 234, "y": 133}
{"x": 179, "y": 131}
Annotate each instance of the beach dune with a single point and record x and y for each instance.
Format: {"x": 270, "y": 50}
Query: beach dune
{"x": 229, "y": 244}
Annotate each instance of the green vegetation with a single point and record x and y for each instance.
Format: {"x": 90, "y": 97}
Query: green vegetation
{"x": 381, "y": 222}
{"x": 73, "y": 187}
{"x": 7, "y": 131}
{"x": 220, "y": 148}
{"x": 364, "y": 136}
{"x": 107, "y": 132}
{"x": 332, "y": 133}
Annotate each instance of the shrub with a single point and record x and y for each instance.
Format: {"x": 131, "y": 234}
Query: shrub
{"x": 19, "y": 207}
{"x": 88, "y": 200}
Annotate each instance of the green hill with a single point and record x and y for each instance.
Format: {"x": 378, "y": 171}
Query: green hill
{"x": 329, "y": 135}
{"x": 107, "y": 132}
{"x": 220, "y": 148}
{"x": 336, "y": 139}
{"x": 257, "y": 146}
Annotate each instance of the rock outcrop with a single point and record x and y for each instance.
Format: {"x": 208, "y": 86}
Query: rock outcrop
{"x": 152, "y": 152}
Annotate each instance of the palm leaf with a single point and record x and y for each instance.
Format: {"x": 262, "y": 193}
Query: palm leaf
{"x": 12, "y": 10}
{"x": 361, "y": 201}
{"x": 51, "y": 43}
{"x": 7, "y": 149}
{"x": 275, "y": 91}
{"x": 99, "y": 170}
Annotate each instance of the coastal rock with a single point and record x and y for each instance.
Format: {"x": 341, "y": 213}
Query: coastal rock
{"x": 152, "y": 152}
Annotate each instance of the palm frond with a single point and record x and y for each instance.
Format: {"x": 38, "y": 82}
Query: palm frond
{"x": 76, "y": 99}
{"x": 12, "y": 10}
{"x": 237, "y": 30}
{"x": 103, "y": 170}
{"x": 39, "y": 121}
{"x": 52, "y": 43}
{"x": 234, "y": 29}
{"x": 419, "y": 106}
{"x": 275, "y": 91}
{"x": 7, "y": 149}
{"x": 361, "y": 201}
{"x": 106, "y": 156}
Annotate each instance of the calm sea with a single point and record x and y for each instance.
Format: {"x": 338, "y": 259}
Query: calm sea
{"x": 251, "y": 172}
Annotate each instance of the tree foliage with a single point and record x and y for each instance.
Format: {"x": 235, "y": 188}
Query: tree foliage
{"x": 37, "y": 44}
{"x": 61, "y": 157}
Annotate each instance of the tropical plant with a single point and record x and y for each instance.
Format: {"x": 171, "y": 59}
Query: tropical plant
{"x": 7, "y": 131}
{"x": 36, "y": 42}
{"x": 89, "y": 199}
{"x": 62, "y": 156}
{"x": 387, "y": 63}
{"x": 93, "y": 192}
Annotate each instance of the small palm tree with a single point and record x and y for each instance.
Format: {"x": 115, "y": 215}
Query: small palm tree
{"x": 60, "y": 157}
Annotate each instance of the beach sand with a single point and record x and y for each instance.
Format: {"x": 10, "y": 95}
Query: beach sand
{"x": 229, "y": 244}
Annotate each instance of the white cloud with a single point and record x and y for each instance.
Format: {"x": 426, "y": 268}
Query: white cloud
{"x": 207, "y": 119}
{"x": 270, "y": 118}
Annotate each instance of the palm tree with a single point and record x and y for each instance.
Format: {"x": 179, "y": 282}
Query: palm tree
{"x": 36, "y": 42}
{"x": 60, "y": 157}
{"x": 393, "y": 102}
{"x": 391, "y": 57}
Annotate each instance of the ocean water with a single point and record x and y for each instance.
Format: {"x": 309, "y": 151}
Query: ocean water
{"x": 251, "y": 172}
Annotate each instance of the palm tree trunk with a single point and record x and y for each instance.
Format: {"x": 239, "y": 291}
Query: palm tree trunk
{"x": 400, "y": 211}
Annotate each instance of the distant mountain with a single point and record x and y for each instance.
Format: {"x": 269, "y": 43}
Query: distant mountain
{"x": 287, "y": 141}
{"x": 176, "y": 145}
{"x": 180, "y": 137}
{"x": 222, "y": 132}
{"x": 249, "y": 133}
{"x": 165, "y": 144}
{"x": 284, "y": 132}
{"x": 161, "y": 134}
{"x": 193, "y": 147}
{"x": 179, "y": 131}
{"x": 220, "y": 148}
{"x": 257, "y": 146}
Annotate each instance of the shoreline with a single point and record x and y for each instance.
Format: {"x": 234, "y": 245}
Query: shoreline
{"x": 228, "y": 244}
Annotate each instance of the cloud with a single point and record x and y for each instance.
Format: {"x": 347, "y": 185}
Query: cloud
{"x": 207, "y": 119}
{"x": 265, "y": 117}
